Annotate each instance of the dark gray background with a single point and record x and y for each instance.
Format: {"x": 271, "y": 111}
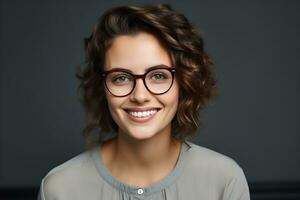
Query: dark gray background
{"x": 255, "y": 119}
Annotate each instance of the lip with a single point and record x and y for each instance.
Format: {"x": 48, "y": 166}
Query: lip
{"x": 137, "y": 109}
{"x": 141, "y": 119}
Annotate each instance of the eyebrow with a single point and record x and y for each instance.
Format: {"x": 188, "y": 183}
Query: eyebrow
{"x": 147, "y": 69}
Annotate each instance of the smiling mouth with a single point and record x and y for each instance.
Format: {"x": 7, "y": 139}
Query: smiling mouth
{"x": 143, "y": 116}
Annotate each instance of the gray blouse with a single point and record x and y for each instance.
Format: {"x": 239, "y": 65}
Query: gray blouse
{"x": 199, "y": 173}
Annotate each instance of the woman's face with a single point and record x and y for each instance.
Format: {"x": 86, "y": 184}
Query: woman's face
{"x": 138, "y": 53}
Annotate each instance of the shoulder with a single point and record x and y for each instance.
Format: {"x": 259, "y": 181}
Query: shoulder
{"x": 71, "y": 173}
{"x": 203, "y": 156}
{"x": 214, "y": 164}
{"x": 218, "y": 173}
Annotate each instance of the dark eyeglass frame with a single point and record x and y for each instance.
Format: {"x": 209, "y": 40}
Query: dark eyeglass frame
{"x": 138, "y": 76}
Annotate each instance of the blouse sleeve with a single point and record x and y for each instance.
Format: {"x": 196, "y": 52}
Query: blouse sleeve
{"x": 41, "y": 192}
{"x": 237, "y": 187}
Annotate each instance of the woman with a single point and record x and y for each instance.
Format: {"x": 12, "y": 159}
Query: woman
{"x": 146, "y": 79}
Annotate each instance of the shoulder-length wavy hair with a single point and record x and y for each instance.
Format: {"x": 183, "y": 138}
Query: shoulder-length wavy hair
{"x": 194, "y": 67}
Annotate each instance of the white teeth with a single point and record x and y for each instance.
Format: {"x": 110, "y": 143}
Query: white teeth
{"x": 143, "y": 114}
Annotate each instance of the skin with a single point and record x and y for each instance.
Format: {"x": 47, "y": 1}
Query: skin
{"x": 141, "y": 154}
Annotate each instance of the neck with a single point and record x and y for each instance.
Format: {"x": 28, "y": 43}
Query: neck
{"x": 145, "y": 153}
{"x": 149, "y": 159}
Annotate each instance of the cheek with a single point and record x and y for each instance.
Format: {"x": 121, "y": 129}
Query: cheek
{"x": 171, "y": 98}
{"x": 111, "y": 101}
{"x": 114, "y": 104}
{"x": 175, "y": 91}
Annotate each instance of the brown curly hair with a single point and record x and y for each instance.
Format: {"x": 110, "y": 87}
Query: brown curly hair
{"x": 194, "y": 67}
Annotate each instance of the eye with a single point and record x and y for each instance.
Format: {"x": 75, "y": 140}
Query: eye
{"x": 120, "y": 79}
{"x": 159, "y": 76}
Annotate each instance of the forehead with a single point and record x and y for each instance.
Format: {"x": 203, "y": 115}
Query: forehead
{"x": 136, "y": 53}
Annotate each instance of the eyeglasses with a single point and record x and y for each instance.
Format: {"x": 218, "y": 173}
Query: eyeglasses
{"x": 121, "y": 82}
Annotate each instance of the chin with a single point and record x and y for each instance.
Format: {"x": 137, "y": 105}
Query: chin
{"x": 142, "y": 133}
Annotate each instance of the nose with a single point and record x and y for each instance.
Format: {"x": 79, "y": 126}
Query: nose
{"x": 140, "y": 93}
